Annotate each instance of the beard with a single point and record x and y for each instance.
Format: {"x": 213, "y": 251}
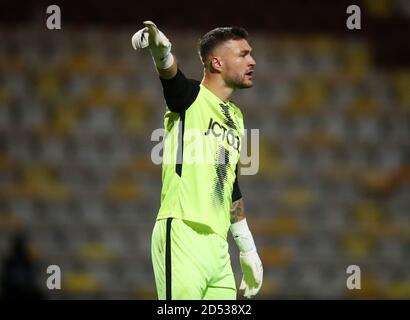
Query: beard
{"x": 239, "y": 82}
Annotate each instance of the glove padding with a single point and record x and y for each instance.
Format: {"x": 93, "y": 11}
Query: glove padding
{"x": 139, "y": 40}
{"x": 157, "y": 42}
{"x": 150, "y": 36}
{"x": 252, "y": 273}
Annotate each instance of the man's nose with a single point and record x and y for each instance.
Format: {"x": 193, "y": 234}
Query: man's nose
{"x": 252, "y": 61}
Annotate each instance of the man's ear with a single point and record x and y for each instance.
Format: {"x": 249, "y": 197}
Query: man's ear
{"x": 215, "y": 65}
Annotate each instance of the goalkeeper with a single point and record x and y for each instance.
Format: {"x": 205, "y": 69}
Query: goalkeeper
{"x": 201, "y": 202}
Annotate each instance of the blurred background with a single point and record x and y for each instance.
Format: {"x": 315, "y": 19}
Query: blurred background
{"x": 78, "y": 106}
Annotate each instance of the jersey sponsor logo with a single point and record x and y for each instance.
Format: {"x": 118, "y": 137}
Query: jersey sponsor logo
{"x": 225, "y": 134}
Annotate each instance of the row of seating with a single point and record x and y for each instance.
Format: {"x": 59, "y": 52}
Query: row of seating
{"x": 77, "y": 112}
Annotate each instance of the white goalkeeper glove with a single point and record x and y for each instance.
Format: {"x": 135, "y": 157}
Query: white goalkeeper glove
{"x": 250, "y": 262}
{"x": 157, "y": 42}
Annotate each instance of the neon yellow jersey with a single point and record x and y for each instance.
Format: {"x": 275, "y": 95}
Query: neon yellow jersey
{"x": 199, "y": 188}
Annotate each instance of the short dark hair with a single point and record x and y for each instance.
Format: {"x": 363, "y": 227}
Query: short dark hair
{"x": 215, "y": 37}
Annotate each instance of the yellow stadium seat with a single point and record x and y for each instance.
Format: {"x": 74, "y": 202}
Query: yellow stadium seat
{"x": 281, "y": 224}
{"x": 81, "y": 283}
{"x": 298, "y": 197}
{"x": 39, "y": 182}
{"x": 275, "y": 256}
{"x": 319, "y": 140}
{"x": 368, "y": 216}
{"x": 96, "y": 251}
{"x": 357, "y": 245}
{"x": 125, "y": 189}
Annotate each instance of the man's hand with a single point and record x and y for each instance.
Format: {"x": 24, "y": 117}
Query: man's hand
{"x": 150, "y": 36}
{"x": 250, "y": 262}
{"x": 159, "y": 45}
{"x": 252, "y": 273}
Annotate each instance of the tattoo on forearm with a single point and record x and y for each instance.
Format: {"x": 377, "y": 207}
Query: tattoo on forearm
{"x": 237, "y": 211}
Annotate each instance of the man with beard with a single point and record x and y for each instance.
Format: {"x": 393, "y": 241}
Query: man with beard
{"x": 201, "y": 200}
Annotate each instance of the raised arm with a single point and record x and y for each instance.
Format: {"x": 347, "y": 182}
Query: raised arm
{"x": 159, "y": 46}
{"x": 168, "y": 73}
{"x": 179, "y": 92}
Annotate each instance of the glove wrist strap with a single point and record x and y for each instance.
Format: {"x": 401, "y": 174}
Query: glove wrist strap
{"x": 243, "y": 236}
{"x": 162, "y": 57}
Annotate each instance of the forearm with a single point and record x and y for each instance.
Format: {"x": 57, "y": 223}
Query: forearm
{"x": 239, "y": 227}
{"x": 170, "y": 72}
{"x": 237, "y": 211}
